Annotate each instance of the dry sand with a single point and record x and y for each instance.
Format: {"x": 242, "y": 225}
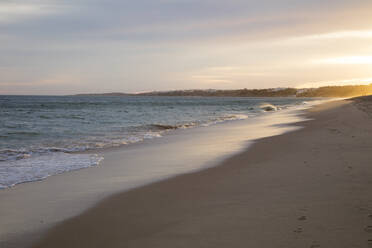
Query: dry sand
{"x": 309, "y": 188}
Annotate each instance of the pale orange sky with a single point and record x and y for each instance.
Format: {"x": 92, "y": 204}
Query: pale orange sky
{"x": 67, "y": 47}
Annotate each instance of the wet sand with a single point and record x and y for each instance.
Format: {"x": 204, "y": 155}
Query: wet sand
{"x": 308, "y": 188}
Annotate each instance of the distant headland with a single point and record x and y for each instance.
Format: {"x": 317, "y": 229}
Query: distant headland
{"x": 326, "y": 91}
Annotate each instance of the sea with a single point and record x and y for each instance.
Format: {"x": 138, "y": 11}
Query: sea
{"x": 42, "y": 136}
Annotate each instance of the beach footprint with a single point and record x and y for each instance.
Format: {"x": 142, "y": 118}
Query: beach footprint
{"x": 299, "y": 229}
{"x": 303, "y": 217}
{"x": 368, "y": 229}
{"x": 334, "y": 130}
{"x": 315, "y": 245}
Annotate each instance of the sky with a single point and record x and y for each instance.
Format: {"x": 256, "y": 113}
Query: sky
{"x": 80, "y": 46}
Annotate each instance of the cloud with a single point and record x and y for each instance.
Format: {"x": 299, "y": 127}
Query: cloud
{"x": 352, "y": 60}
{"x": 16, "y": 11}
{"x": 166, "y": 21}
{"x": 161, "y": 44}
{"x": 352, "y": 34}
{"x": 224, "y": 74}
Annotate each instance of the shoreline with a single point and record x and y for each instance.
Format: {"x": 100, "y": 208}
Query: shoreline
{"x": 307, "y": 188}
{"x": 72, "y": 155}
{"x": 52, "y": 201}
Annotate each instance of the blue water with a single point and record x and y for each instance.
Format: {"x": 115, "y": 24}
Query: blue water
{"x": 41, "y": 135}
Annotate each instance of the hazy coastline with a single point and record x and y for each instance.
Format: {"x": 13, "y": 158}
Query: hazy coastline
{"x": 325, "y": 91}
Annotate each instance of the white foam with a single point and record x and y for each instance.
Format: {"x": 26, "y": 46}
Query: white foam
{"x": 151, "y": 135}
{"x": 40, "y": 167}
{"x": 225, "y": 118}
{"x": 269, "y": 107}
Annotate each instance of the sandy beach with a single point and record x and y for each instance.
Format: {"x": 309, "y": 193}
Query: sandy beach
{"x": 308, "y": 188}
{"x": 185, "y": 124}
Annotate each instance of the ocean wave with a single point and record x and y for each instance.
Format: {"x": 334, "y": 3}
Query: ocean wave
{"x": 41, "y": 167}
{"x": 136, "y": 134}
{"x": 163, "y": 126}
{"x": 37, "y": 128}
{"x": 25, "y": 133}
{"x": 211, "y": 121}
{"x": 268, "y": 107}
{"x": 225, "y": 118}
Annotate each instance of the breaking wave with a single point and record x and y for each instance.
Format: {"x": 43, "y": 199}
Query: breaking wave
{"x": 269, "y": 107}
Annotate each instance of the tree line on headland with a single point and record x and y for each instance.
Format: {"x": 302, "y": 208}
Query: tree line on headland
{"x": 327, "y": 91}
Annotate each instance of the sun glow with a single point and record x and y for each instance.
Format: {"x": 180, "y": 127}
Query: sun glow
{"x": 354, "y": 81}
{"x": 356, "y": 60}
